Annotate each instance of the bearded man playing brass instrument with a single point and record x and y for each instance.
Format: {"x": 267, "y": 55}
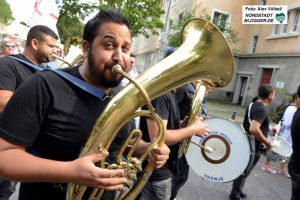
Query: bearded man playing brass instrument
{"x": 48, "y": 119}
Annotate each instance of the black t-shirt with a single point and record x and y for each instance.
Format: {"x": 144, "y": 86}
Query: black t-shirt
{"x": 258, "y": 113}
{"x": 166, "y": 106}
{"x": 184, "y": 96}
{"x": 295, "y": 133}
{"x": 53, "y": 117}
{"x": 13, "y": 73}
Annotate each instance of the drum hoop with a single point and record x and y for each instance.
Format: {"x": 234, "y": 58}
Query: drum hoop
{"x": 250, "y": 145}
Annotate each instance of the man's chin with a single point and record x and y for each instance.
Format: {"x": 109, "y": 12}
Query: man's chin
{"x": 112, "y": 83}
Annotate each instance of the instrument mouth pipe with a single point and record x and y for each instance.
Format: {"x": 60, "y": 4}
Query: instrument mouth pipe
{"x": 61, "y": 59}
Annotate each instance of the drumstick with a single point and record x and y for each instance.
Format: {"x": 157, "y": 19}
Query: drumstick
{"x": 207, "y": 149}
{"x": 276, "y": 133}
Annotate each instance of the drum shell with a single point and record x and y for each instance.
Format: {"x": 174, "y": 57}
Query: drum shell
{"x": 241, "y": 150}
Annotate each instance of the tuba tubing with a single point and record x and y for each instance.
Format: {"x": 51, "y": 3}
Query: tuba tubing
{"x": 204, "y": 55}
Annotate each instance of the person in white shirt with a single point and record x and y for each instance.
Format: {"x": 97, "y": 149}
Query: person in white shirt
{"x": 285, "y": 132}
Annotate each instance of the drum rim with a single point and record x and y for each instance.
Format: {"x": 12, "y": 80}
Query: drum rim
{"x": 249, "y": 147}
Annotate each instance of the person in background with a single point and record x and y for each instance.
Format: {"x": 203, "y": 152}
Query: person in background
{"x": 132, "y": 72}
{"x": 48, "y": 119}
{"x": 40, "y": 43}
{"x": 285, "y": 132}
{"x": 294, "y": 163}
{"x": 165, "y": 183}
{"x": 7, "y": 47}
{"x": 256, "y": 123}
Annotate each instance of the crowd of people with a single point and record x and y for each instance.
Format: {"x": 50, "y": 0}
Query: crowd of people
{"x": 45, "y": 119}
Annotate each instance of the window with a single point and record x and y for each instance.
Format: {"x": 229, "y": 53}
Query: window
{"x": 295, "y": 22}
{"x": 263, "y": 2}
{"x": 275, "y": 29}
{"x": 170, "y": 25}
{"x": 254, "y": 43}
{"x": 284, "y": 26}
{"x": 221, "y": 20}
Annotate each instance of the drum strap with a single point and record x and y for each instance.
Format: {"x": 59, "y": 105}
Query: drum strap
{"x": 249, "y": 109}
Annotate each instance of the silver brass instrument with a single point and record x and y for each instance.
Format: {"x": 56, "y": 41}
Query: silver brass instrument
{"x": 204, "y": 55}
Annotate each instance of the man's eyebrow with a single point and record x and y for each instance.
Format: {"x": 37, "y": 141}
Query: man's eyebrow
{"x": 109, "y": 37}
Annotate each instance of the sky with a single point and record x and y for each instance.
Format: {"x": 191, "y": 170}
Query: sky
{"x": 22, "y": 11}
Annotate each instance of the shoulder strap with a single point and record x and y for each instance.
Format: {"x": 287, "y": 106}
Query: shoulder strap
{"x": 249, "y": 109}
{"x": 76, "y": 81}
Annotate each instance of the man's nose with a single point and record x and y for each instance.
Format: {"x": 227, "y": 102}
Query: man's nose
{"x": 117, "y": 55}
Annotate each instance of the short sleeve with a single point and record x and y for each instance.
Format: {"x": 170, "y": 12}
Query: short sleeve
{"x": 160, "y": 105}
{"x": 24, "y": 114}
{"x": 8, "y": 79}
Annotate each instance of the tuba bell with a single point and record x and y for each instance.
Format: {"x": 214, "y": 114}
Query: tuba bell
{"x": 204, "y": 55}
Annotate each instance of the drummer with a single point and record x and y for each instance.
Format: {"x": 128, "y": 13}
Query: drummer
{"x": 256, "y": 123}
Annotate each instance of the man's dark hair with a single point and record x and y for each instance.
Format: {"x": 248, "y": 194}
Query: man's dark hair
{"x": 298, "y": 91}
{"x": 265, "y": 90}
{"x": 294, "y": 96}
{"x": 39, "y": 32}
{"x": 104, "y": 15}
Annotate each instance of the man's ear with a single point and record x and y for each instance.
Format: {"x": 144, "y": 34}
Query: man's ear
{"x": 34, "y": 43}
{"x": 85, "y": 48}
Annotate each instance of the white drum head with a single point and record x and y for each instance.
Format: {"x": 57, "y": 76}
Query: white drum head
{"x": 281, "y": 146}
{"x": 230, "y": 151}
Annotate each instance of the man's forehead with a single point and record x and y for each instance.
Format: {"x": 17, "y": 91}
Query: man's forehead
{"x": 114, "y": 30}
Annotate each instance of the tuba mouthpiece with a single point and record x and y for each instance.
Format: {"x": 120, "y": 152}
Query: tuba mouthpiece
{"x": 117, "y": 69}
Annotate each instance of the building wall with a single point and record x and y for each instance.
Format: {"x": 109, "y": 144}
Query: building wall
{"x": 279, "y": 52}
{"x": 285, "y": 70}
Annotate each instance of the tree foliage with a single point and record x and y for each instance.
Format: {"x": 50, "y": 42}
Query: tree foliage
{"x": 175, "y": 37}
{"x": 143, "y": 15}
{"x": 6, "y": 16}
{"x": 71, "y": 15}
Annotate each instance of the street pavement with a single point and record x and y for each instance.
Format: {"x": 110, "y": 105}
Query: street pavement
{"x": 259, "y": 185}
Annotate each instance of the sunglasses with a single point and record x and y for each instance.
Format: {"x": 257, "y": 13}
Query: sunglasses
{"x": 10, "y": 45}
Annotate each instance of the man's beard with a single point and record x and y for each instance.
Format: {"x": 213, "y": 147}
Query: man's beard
{"x": 99, "y": 76}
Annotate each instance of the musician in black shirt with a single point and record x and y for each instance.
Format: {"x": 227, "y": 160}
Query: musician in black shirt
{"x": 41, "y": 43}
{"x": 256, "y": 123}
{"x": 48, "y": 119}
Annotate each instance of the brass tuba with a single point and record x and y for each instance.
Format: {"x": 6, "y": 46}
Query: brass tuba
{"x": 204, "y": 55}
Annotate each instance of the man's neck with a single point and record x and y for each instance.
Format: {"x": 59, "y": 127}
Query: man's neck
{"x": 263, "y": 101}
{"x": 30, "y": 57}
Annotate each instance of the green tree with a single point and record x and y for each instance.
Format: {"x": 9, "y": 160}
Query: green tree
{"x": 175, "y": 37}
{"x": 143, "y": 15}
{"x": 71, "y": 15}
{"x": 6, "y": 16}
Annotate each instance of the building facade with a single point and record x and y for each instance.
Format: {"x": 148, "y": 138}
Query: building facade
{"x": 262, "y": 53}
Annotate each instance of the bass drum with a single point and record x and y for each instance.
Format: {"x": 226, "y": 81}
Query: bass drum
{"x": 232, "y": 151}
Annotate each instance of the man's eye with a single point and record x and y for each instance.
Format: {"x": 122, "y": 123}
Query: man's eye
{"x": 109, "y": 46}
{"x": 126, "y": 49}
